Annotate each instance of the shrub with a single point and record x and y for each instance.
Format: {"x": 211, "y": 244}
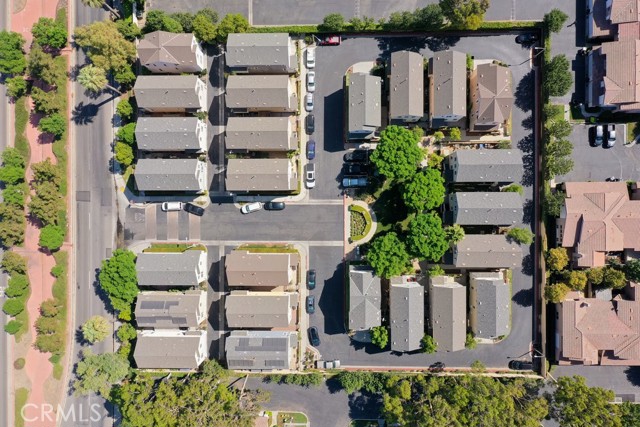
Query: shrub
{"x": 127, "y": 134}
{"x": 334, "y": 22}
{"x": 428, "y": 344}
{"x": 49, "y": 308}
{"x": 12, "y": 327}
{"x": 556, "y": 293}
{"x": 18, "y": 286}
{"x": 16, "y": 86}
{"x": 523, "y": 236}
{"x": 125, "y": 109}
{"x": 55, "y": 124}
{"x": 436, "y": 270}
{"x": 455, "y": 134}
{"x": 557, "y": 259}
{"x": 19, "y": 363}
{"x": 478, "y": 366}
{"x": 13, "y": 306}
{"x": 126, "y": 333}
{"x": 95, "y": 329}
{"x": 514, "y": 188}
{"x": 53, "y": 343}
{"x": 124, "y": 154}
{"x": 470, "y": 342}
{"x": 48, "y": 32}
{"x": 554, "y": 20}
{"x": 380, "y": 336}
{"x": 51, "y": 237}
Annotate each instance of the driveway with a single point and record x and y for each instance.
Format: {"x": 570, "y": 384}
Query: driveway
{"x": 623, "y": 380}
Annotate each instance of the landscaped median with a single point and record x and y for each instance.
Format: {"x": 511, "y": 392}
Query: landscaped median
{"x": 360, "y": 222}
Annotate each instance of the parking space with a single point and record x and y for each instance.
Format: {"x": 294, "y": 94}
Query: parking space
{"x": 598, "y": 163}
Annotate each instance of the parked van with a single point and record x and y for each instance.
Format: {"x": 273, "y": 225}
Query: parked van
{"x": 171, "y": 206}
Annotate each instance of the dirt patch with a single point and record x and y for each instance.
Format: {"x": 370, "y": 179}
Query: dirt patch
{"x": 18, "y": 5}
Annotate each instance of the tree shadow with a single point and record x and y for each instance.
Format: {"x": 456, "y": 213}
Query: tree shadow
{"x": 528, "y": 123}
{"x": 441, "y": 43}
{"x": 633, "y": 375}
{"x": 101, "y": 293}
{"x": 527, "y": 211}
{"x": 84, "y": 114}
{"x": 526, "y": 144}
{"x": 333, "y": 385}
{"x": 527, "y": 265}
{"x": 387, "y": 45}
{"x": 364, "y": 405}
{"x": 528, "y": 164}
{"x": 524, "y": 297}
{"x": 524, "y": 93}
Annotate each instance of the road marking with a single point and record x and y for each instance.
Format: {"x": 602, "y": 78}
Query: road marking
{"x": 250, "y": 12}
{"x": 172, "y": 225}
{"x": 328, "y": 243}
{"x": 513, "y": 10}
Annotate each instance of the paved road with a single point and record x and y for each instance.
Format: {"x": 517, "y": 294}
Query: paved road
{"x": 95, "y": 210}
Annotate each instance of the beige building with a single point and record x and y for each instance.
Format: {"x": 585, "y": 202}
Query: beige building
{"x": 252, "y": 175}
{"x": 168, "y": 53}
{"x": 406, "y": 91}
{"x": 170, "y": 349}
{"x": 260, "y": 310}
{"x": 448, "y": 312}
{"x": 171, "y": 310}
{"x": 491, "y": 97}
{"x": 261, "y": 270}
{"x": 255, "y": 93}
{"x": 170, "y": 94}
{"x": 261, "y": 53}
{"x": 261, "y": 134}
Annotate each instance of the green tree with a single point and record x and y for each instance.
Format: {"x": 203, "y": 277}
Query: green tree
{"x": 426, "y": 238}
{"x": 12, "y": 59}
{"x": 12, "y": 157}
{"x": 12, "y": 327}
{"x": 55, "y": 124}
{"x": 15, "y": 194}
{"x": 127, "y": 134}
{"x": 388, "y": 256}
{"x": 49, "y": 32}
{"x": 428, "y": 344}
{"x": 429, "y": 17}
{"x": 50, "y": 343}
{"x": 613, "y": 278}
{"x": 380, "y": 336}
{"x": 632, "y": 270}
{"x": 438, "y": 136}
{"x": 128, "y": 29}
{"x": 14, "y": 263}
{"x": 46, "y": 203}
{"x": 554, "y": 20}
{"x": 211, "y": 14}
{"x": 49, "y": 308}
{"x": 363, "y": 24}
{"x": 434, "y": 160}
{"x": 42, "y": 66}
{"x": 45, "y": 171}
{"x": 158, "y": 20}
{"x": 124, "y": 154}
{"x": 232, "y": 23}
{"x": 125, "y": 76}
{"x": 95, "y": 329}
{"x": 557, "y": 259}
{"x": 185, "y": 19}
{"x": 13, "y": 306}
{"x": 574, "y": 404}
{"x": 513, "y": 188}
{"x": 126, "y": 332}
{"x": 12, "y": 225}
{"x": 470, "y": 341}
{"x": 478, "y": 366}
{"x": 576, "y": 280}
{"x": 425, "y": 190}
{"x": 118, "y": 278}
{"x": 18, "y": 285}
{"x": 105, "y": 46}
{"x": 94, "y": 79}
{"x": 100, "y": 4}
{"x": 11, "y": 175}
{"x": 204, "y": 29}
{"x": 558, "y": 160}
{"x": 51, "y": 237}
{"x": 404, "y": 20}
{"x": 125, "y": 109}
{"x": 436, "y": 270}
{"x": 556, "y": 293}
{"x": 523, "y": 236}
{"x": 455, "y": 134}
{"x": 558, "y": 79}
{"x": 397, "y": 156}
{"x": 96, "y": 373}
{"x": 454, "y": 234}
{"x": 595, "y": 275}
{"x": 16, "y": 86}
{"x": 334, "y": 22}
{"x": 351, "y": 381}
{"x": 46, "y": 102}
{"x": 466, "y": 14}
{"x": 558, "y": 129}
{"x": 47, "y": 325}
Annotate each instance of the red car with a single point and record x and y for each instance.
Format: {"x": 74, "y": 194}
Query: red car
{"x": 331, "y": 41}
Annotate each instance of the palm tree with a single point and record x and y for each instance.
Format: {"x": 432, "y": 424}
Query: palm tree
{"x": 100, "y": 3}
{"x": 94, "y": 79}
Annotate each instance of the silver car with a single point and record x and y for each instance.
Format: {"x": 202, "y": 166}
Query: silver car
{"x": 308, "y": 102}
{"x": 310, "y": 175}
{"x": 251, "y": 207}
{"x": 311, "y": 81}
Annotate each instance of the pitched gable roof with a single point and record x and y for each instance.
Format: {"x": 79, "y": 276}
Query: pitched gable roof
{"x": 364, "y": 298}
{"x": 169, "y": 310}
{"x": 492, "y": 97}
{"x": 495, "y": 208}
{"x": 260, "y": 50}
{"x": 245, "y": 268}
{"x": 496, "y": 165}
{"x": 621, "y": 82}
{"x": 365, "y": 97}
{"x": 260, "y": 350}
{"x": 245, "y": 309}
{"x": 406, "y": 313}
{"x": 492, "y": 304}
{"x": 168, "y": 174}
{"x": 168, "y": 270}
{"x": 260, "y": 175}
{"x": 448, "y": 85}
{"x": 406, "y": 92}
{"x": 183, "y": 350}
{"x": 448, "y": 312}
{"x": 171, "y": 48}
{"x": 167, "y": 133}
{"x": 167, "y": 92}
{"x": 260, "y": 134}
{"x": 487, "y": 251}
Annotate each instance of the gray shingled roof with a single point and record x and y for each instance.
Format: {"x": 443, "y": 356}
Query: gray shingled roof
{"x": 449, "y": 84}
{"x": 498, "y": 208}
{"x": 364, "y": 299}
{"x": 168, "y": 310}
{"x": 260, "y": 92}
{"x": 492, "y": 304}
{"x": 246, "y": 309}
{"x": 165, "y": 92}
{"x": 448, "y": 302}
{"x": 406, "y": 92}
{"x": 269, "y": 270}
{"x": 168, "y": 269}
{"x": 167, "y": 175}
{"x": 260, "y": 134}
{"x": 260, "y": 50}
{"x": 168, "y": 352}
{"x": 260, "y": 350}
{"x": 495, "y": 165}
{"x": 167, "y": 133}
{"x": 492, "y": 97}
{"x": 487, "y": 251}
{"x": 169, "y": 48}
{"x": 260, "y": 175}
{"x": 406, "y": 314}
{"x": 364, "y": 102}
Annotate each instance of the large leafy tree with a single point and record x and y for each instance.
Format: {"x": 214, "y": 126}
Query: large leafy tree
{"x": 574, "y": 404}
{"x": 556, "y": 292}
{"x": 12, "y": 59}
{"x": 558, "y": 78}
{"x": 158, "y": 20}
{"x": 49, "y": 32}
{"x": 46, "y": 102}
{"x": 388, "y": 256}
{"x": 425, "y": 190}
{"x": 555, "y": 19}
{"x": 105, "y": 46}
{"x": 333, "y": 22}
{"x": 380, "y": 336}
{"x": 426, "y": 238}
{"x": 97, "y": 373}
{"x": 397, "y": 156}
{"x": 54, "y": 124}
{"x": 119, "y": 280}
{"x": 46, "y": 203}
{"x": 95, "y": 329}
{"x": 576, "y": 280}
{"x": 467, "y": 14}
{"x": 613, "y": 278}
{"x": 429, "y": 17}
{"x": 557, "y": 259}
{"x": 42, "y": 66}
{"x": 232, "y": 23}
{"x": 94, "y": 79}
{"x": 12, "y": 225}
{"x": 51, "y": 237}
{"x": 204, "y": 29}
{"x": 557, "y": 160}
{"x": 632, "y": 270}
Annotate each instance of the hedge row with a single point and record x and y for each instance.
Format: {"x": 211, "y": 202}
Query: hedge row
{"x": 18, "y": 291}
{"x": 52, "y": 323}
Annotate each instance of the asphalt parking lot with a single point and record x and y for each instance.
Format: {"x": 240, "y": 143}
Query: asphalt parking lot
{"x": 598, "y": 163}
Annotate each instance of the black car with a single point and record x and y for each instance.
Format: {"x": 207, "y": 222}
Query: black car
{"x": 311, "y": 304}
{"x": 273, "y": 206}
{"x": 357, "y": 156}
{"x": 521, "y": 365}
{"x": 355, "y": 169}
{"x": 526, "y": 38}
{"x": 437, "y": 367}
{"x": 311, "y": 279}
{"x": 612, "y": 179}
{"x": 310, "y": 124}
{"x": 191, "y": 208}
{"x": 314, "y": 337}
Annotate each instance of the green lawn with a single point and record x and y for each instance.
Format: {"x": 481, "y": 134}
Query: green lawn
{"x": 632, "y": 131}
{"x": 173, "y": 247}
{"x": 389, "y": 207}
{"x": 270, "y": 249}
{"x": 360, "y": 222}
{"x": 295, "y": 417}
{"x": 22, "y": 394}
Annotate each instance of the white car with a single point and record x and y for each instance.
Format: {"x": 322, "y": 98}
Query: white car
{"x": 311, "y": 81}
{"x": 311, "y": 58}
{"x": 171, "y": 206}
{"x": 310, "y": 175}
{"x": 251, "y": 207}
{"x": 308, "y": 102}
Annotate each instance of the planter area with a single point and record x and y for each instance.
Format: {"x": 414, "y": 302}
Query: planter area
{"x": 360, "y": 221}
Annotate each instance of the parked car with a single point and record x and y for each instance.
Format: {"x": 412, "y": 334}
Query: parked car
{"x": 599, "y": 135}
{"x": 611, "y": 135}
{"x": 310, "y": 123}
{"x": 330, "y": 41}
{"x": 311, "y": 149}
{"x": 612, "y": 179}
{"x": 311, "y": 58}
{"x": 437, "y": 367}
{"x": 171, "y": 206}
{"x": 310, "y": 175}
{"x": 194, "y": 209}
{"x": 526, "y": 38}
{"x": 328, "y": 364}
{"x": 357, "y": 156}
{"x": 521, "y": 365}
{"x": 311, "y": 81}
{"x": 274, "y": 206}
{"x": 354, "y": 181}
{"x": 355, "y": 169}
{"x": 251, "y": 207}
{"x": 308, "y": 102}
{"x": 311, "y": 304}
{"x": 311, "y": 279}
{"x": 314, "y": 336}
